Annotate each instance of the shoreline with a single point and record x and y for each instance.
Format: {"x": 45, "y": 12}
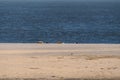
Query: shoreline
{"x": 57, "y": 79}
{"x": 59, "y": 61}
{"x": 21, "y": 48}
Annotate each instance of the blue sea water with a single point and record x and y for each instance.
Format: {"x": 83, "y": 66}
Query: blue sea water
{"x": 66, "y": 21}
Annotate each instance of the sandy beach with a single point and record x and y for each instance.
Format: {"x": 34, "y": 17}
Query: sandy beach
{"x": 33, "y": 61}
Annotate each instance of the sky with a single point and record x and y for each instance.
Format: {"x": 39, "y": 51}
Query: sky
{"x": 60, "y": 1}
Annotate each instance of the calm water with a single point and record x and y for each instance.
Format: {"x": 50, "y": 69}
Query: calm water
{"x": 83, "y": 22}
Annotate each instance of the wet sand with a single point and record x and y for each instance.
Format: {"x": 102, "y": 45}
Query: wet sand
{"x": 29, "y": 61}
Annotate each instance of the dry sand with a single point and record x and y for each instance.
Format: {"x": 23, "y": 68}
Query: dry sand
{"x": 59, "y": 61}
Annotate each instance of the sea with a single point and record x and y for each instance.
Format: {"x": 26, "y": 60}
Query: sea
{"x": 68, "y": 21}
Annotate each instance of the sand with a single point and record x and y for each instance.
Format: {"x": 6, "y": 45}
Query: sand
{"x": 30, "y": 61}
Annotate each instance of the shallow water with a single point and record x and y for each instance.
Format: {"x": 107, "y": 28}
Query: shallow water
{"x": 82, "y": 22}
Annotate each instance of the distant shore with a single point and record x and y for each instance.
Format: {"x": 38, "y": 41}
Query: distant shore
{"x": 33, "y": 61}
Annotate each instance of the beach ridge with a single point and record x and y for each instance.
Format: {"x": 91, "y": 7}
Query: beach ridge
{"x": 59, "y": 61}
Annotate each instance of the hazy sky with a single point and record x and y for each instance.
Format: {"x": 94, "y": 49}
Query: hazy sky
{"x": 61, "y": 0}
